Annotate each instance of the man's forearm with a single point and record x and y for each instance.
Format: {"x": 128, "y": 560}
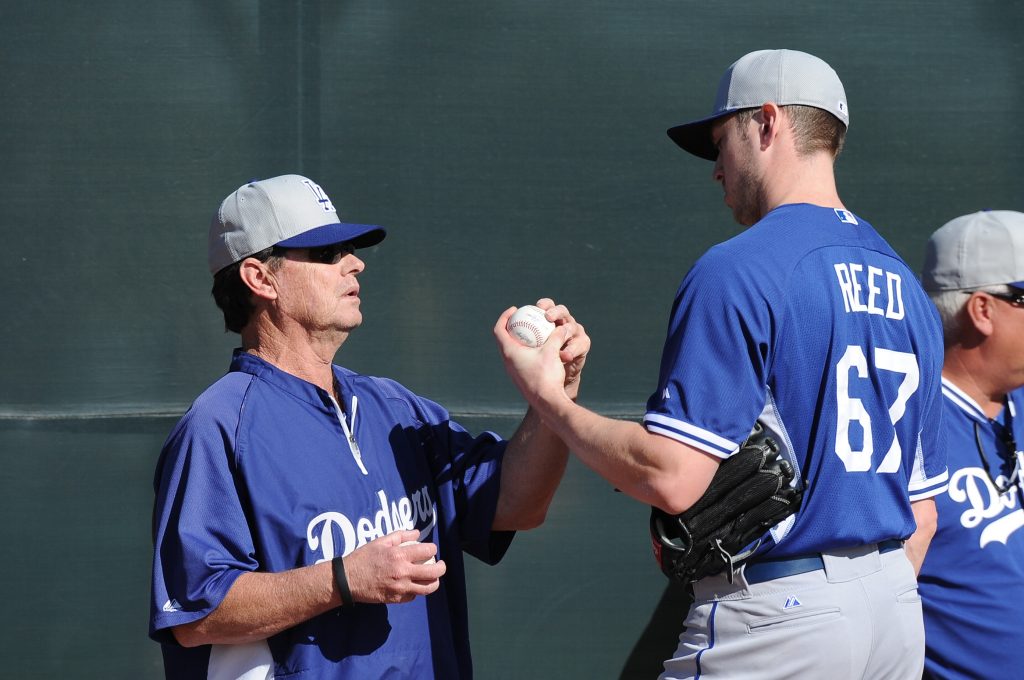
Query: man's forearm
{"x": 532, "y": 468}
{"x": 392, "y": 569}
{"x": 926, "y": 517}
{"x": 651, "y": 468}
{"x": 259, "y": 605}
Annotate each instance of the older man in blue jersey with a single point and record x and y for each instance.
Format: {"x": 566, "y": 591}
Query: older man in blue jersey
{"x": 810, "y": 323}
{"x": 972, "y": 581}
{"x": 311, "y": 521}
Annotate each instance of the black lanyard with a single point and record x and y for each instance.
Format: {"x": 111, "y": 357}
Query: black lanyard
{"x": 1009, "y": 454}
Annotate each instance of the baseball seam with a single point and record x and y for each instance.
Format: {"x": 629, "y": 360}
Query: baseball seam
{"x": 529, "y": 326}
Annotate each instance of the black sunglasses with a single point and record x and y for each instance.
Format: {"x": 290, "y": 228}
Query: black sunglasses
{"x": 331, "y": 254}
{"x": 1016, "y": 299}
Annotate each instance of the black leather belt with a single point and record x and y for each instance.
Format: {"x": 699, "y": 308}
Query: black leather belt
{"x": 768, "y": 570}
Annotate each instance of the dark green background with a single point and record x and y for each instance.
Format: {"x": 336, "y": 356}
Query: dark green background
{"x": 513, "y": 149}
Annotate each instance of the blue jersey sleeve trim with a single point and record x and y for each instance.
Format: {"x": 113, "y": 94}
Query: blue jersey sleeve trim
{"x": 932, "y": 481}
{"x": 706, "y": 441}
{"x": 927, "y": 488}
{"x": 929, "y": 494}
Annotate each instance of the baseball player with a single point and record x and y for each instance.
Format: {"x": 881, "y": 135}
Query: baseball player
{"x": 310, "y": 521}
{"x": 811, "y": 324}
{"x": 972, "y": 580}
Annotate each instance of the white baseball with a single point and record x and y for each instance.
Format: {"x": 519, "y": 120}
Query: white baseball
{"x": 429, "y": 560}
{"x": 529, "y": 326}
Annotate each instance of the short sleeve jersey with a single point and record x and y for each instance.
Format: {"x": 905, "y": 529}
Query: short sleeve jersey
{"x": 810, "y": 322}
{"x": 972, "y": 580}
{"x": 264, "y": 473}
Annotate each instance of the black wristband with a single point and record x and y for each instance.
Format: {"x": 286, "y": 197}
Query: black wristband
{"x": 338, "y": 567}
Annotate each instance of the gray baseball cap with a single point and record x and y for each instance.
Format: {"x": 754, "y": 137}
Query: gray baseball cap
{"x": 290, "y": 211}
{"x": 780, "y": 76}
{"x": 981, "y": 249}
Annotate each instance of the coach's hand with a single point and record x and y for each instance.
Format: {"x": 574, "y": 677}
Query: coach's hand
{"x": 385, "y": 571}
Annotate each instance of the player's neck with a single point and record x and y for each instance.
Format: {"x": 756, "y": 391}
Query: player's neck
{"x": 304, "y": 356}
{"x": 966, "y": 372}
{"x": 806, "y": 179}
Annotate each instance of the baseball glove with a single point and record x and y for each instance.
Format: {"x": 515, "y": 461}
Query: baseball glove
{"x": 750, "y": 493}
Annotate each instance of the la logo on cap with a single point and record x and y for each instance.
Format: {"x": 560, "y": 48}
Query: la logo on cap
{"x": 321, "y": 197}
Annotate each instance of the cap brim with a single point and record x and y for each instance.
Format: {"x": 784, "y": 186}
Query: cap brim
{"x": 695, "y": 137}
{"x": 360, "y": 235}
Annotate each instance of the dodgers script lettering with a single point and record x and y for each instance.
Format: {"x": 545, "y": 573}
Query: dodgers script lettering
{"x": 417, "y": 512}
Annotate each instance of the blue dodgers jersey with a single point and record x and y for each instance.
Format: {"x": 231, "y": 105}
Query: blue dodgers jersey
{"x": 260, "y": 475}
{"x": 972, "y": 580}
{"x": 809, "y": 321}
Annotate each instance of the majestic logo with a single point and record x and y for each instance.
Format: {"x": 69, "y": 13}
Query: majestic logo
{"x": 171, "y": 606}
{"x": 791, "y": 602}
{"x": 972, "y": 486}
{"x": 417, "y": 512}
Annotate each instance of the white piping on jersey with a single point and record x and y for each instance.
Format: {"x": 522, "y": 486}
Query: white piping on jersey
{"x": 920, "y": 485}
{"x": 941, "y": 479}
{"x": 918, "y": 476}
{"x": 960, "y": 398}
{"x": 353, "y": 446}
{"x": 708, "y": 442}
{"x": 772, "y": 422}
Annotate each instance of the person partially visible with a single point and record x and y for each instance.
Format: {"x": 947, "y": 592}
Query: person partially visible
{"x": 972, "y": 580}
{"x": 311, "y": 521}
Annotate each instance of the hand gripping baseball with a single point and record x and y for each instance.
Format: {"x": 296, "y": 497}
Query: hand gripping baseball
{"x": 390, "y": 569}
{"x": 530, "y": 326}
{"x": 750, "y": 492}
{"x": 555, "y": 366}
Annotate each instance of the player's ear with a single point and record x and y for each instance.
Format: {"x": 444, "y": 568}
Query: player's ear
{"x": 258, "y": 277}
{"x": 978, "y": 311}
{"x": 768, "y": 119}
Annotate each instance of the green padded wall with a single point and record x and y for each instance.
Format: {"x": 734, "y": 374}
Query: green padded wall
{"x": 513, "y": 149}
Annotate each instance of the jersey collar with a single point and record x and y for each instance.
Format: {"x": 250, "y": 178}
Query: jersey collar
{"x": 246, "y": 362}
{"x": 965, "y": 403}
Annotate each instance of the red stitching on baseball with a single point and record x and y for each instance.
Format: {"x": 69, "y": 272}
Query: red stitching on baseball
{"x": 526, "y": 324}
